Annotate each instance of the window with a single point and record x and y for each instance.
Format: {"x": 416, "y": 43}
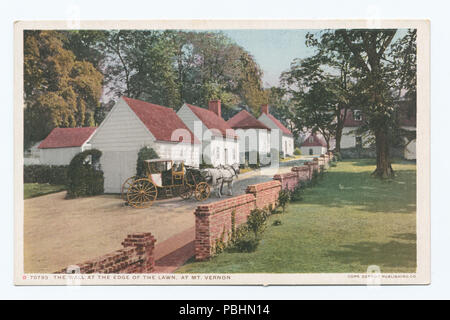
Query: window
{"x": 357, "y": 115}
{"x": 358, "y": 142}
{"x": 217, "y": 153}
{"x": 234, "y": 154}
{"x": 311, "y": 139}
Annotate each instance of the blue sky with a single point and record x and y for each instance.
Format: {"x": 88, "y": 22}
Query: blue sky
{"x": 273, "y": 50}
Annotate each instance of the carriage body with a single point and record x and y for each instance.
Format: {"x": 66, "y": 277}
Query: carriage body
{"x": 166, "y": 177}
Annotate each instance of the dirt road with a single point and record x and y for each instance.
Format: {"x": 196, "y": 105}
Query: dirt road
{"x": 60, "y": 232}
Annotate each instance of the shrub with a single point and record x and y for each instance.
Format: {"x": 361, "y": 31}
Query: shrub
{"x": 276, "y": 222}
{"x": 246, "y": 244}
{"x": 146, "y": 153}
{"x": 297, "y": 193}
{"x": 283, "y": 198}
{"x": 256, "y": 221}
{"x": 297, "y": 152}
{"x": 84, "y": 175}
{"x": 56, "y": 175}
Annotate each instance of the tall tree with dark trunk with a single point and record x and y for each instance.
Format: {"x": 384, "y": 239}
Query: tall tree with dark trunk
{"x": 369, "y": 51}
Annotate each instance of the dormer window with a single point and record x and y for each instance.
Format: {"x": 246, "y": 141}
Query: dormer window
{"x": 357, "y": 115}
{"x": 311, "y": 139}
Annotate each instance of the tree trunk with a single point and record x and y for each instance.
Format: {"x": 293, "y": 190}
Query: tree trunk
{"x": 384, "y": 167}
{"x": 338, "y": 137}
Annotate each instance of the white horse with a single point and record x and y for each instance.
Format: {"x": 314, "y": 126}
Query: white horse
{"x": 216, "y": 177}
{"x": 213, "y": 177}
{"x": 229, "y": 174}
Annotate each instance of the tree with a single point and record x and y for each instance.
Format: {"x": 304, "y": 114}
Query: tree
{"x": 331, "y": 77}
{"x": 139, "y": 64}
{"x": 281, "y": 107}
{"x": 59, "y": 90}
{"x": 370, "y": 55}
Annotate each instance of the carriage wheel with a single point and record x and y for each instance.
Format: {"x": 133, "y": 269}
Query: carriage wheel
{"x": 142, "y": 193}
{"x": 185, "y": 192}
{"x": 125, "y": 186}
{"x": 202, "y": 191}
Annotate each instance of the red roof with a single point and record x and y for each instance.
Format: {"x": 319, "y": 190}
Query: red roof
{"x": 350, "y": 120}
{"x": 212, "y": 121}
{"x": 67, "y": 137}
{"x": 160, "y": 121}
{"x": 279, "y": 124}
{"x": 244, "y": 120}
{"x": 317, "y": 142}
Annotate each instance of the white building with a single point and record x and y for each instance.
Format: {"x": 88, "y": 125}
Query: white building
{"x": 351, "y": 138}
{"x": 254, "y": 138}
{"x": 133, "y": 124}
{"x": 285, "y": 137}
{"x": 62, "y": 144}
{"x": 220, "y": 144}
{"x": 313, "y": 145}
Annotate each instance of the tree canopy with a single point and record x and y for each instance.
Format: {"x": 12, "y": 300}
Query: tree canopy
{"x": 72, "y": 77}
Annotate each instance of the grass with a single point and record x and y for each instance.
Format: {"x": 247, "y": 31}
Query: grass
{"x": 289, "y": 158}
{"x": 346, "y": 223}
{"x": 31, "y": 190}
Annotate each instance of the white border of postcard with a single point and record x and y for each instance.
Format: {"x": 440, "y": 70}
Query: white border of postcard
{"x": 422, "y": 275}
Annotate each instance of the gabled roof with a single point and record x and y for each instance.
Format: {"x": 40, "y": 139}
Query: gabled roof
{"x": 350, "y": 121}
{"x": 244, "y": 120}
{"x": 277, "y": 122}
{"x": 160, "y": 121}
{"x": 213, "y": 121}
{"x": 67, "y": 137}
{"x": 317, "y": 142}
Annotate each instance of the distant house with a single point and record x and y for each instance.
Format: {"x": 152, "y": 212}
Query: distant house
{"x": 62, "y": 144}
{"x": 254, "y": 137}
{"x": 408, "y": 122}
{"x": 350, "y": 138}
{"x": 355, "y": 118}
{"x": 313, "y": 145}
{"x": 285, "y": 136}
{"x": 220, "y": 144}
{"x": 133, "y": 124}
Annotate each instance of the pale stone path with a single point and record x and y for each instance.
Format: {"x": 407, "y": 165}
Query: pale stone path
{"x": 60, "y": 232}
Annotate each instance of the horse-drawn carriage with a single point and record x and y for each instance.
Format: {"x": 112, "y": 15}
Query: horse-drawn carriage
{"x": 171, "y": 178}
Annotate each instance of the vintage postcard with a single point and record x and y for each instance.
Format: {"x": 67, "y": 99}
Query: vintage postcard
{"x": 222, "y": 152}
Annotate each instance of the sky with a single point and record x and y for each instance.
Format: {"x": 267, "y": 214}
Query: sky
{"x": 274, "y": 50}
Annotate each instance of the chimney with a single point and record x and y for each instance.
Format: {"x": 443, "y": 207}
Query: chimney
{"x": 265, "y": 108}
{"x": 214, "y": 106}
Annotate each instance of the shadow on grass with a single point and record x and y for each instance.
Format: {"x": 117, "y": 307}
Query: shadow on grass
{"x": 364, "y": 192}
{"x": 372, "y": 162}
{"x": 388, "y": 254}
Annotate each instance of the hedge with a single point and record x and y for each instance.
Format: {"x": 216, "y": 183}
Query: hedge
{"x": 85, "y": 177}
{"x": 146, "y": 153}
{"x": 38, "y": 173}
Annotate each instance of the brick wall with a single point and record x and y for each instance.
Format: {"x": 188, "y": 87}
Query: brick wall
{"x": 213, "y": 221}
{"x": 137, "y": 256}
{"x": 266, "y": 193}
{"x": 288, "y": 180}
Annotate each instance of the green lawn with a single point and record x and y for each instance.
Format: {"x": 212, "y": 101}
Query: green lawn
{"x": 347, "y": 222}
{"x": 31, "y": 190}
